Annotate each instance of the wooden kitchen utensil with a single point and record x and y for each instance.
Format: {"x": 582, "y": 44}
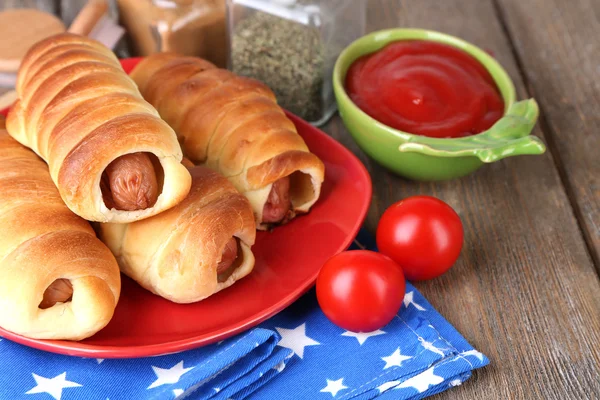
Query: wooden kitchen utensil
{"x": 93, "y": 21}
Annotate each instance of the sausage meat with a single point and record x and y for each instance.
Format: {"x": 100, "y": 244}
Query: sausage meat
{"x": 129, "y": 183}
{"x": 187, "y": 163}
{"x": 230, "y": 254}
{"x": 60, "y": 291}
{"x": 278, "y": 203}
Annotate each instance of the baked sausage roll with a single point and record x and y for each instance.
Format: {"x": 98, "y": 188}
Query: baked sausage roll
{"x": 57, "y": 280}
{"x": 110, "y": 154}
{"x": 233, "y": 125}
{"x": 193, "y": 250}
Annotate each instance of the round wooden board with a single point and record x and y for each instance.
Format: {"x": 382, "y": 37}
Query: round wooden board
{"x": 19, "y": 30}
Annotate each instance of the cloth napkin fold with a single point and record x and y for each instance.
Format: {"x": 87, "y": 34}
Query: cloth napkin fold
{"x": 218, "y": 371}
{"x": 297, "y": 354}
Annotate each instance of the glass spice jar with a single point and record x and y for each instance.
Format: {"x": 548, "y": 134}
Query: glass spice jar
{"x": 292, "y": 46}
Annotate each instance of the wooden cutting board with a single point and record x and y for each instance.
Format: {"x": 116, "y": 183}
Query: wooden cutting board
{"x": 19, "y": 30}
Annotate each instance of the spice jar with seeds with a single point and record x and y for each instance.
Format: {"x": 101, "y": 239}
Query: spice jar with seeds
{"x": 292, "y": 46}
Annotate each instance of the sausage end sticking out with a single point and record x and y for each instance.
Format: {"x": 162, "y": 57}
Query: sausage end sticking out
{"x": 129, "y": 183}
{"x": 230, "y": 254}
{"x": 60, "y": 291}
{"x": 278, "y": 203}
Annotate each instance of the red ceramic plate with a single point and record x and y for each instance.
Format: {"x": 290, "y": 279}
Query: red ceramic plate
{"x": 287, "y": 263}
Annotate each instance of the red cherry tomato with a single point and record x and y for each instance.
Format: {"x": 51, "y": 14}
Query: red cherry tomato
{"x": 360, "y": 290}
{"x": 422, "y": 234}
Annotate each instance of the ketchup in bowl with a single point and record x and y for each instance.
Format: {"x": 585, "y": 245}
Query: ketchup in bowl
{"x": 425, "y": 88}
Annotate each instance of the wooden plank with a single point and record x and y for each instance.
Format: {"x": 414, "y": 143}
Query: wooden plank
{"x": 524, "y": 291}
{"x": 560, "y": 52}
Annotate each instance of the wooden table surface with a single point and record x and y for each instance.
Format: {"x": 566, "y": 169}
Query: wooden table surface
{"x": 526, "y": 290}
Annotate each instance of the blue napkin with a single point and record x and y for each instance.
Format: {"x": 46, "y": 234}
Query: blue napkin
{"x": 251, "y": 358}
{"x": 297, "y": 354}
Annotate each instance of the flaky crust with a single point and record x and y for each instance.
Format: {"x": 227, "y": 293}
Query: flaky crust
{"x": 41, "y": 241}
{"x": 233, "y": 125}
{"x": 175, "y": 254}
{"x": 79, "y": 111}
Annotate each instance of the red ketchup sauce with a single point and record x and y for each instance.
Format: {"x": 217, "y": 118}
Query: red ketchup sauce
{"x": 425, "y": 88}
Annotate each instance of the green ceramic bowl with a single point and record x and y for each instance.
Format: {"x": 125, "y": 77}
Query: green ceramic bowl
{"x": 424, "y": 158}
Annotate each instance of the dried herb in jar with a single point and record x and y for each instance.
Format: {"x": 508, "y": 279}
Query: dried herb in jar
{"x": 287, "y": 56}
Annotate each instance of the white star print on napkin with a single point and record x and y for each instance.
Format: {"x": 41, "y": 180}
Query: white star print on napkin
{"x": 334, "y": 387}
{"x": 408, "y": 300}
{"x": 53, "y": 386}
{"x": 363, "y": 336}
{"x": 473, "y": 353}
{"x": 395, "y": 359}
{"x": 296, "y": 339}
{"x": 387, "y": 385}
{"x": 423, "y": 381}
{"x": 167, "y": 376}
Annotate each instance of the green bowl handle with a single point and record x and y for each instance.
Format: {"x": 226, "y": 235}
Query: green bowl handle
{"x": 510, "y": 136}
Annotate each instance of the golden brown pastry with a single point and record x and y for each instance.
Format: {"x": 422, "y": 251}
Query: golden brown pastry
{"x": 193, "y": 250}
{"x": 110, "y": 155}
{"x": 233, "y": 124}
{"x": 57, "y": 280}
